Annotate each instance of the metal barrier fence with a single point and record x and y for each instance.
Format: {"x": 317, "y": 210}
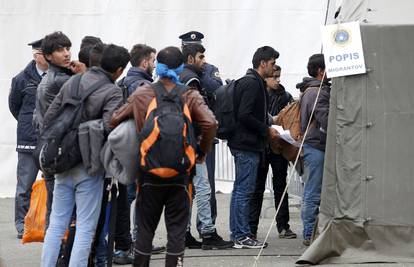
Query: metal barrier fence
{"x": 225, "y": 171}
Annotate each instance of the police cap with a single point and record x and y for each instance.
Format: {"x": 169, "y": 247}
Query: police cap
{"x": 192, "y": 37}
{"x": 36, "y": 44}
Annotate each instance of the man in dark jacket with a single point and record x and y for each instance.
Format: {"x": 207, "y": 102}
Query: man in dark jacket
{"x": 247, "y": 145}
{"x": 194, "y": 61}
{"x": 156, "y": 193}
{"x": 143, "y": 64}
{"x": 210, "y": 81}
{"x": 76, "y": 186}
{"x": 315, "y": 140}
{"x": 56, "y": 49}
{"x": 278, "y": 99}
{"x": 22, "y": 104}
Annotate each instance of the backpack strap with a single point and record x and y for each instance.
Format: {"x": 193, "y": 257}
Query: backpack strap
{"x": 178, "y": 91}
{"x": 85, "y": 94}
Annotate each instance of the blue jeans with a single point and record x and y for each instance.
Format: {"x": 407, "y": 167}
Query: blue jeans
{"x": 202, "y": 197}
{"x": 246, "y": 163}
{"x": 314, "y": 159}
{"x": 73, "y": 186}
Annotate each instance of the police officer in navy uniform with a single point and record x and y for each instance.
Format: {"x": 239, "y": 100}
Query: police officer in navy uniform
{"x": 22, "y": 99}
{"x": 210, "y": 81}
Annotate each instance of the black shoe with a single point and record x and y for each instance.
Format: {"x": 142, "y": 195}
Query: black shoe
{"x": 191, "y": 242}
{"x": 123, "y": 257}
{"x": 19, "y": 235}
{"x": 287, "y": 234}
{"x": 157, "y": 250}
{"x": 214, "y": 241}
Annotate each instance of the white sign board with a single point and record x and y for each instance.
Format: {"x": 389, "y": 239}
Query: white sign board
{"x": 342, "y": 48}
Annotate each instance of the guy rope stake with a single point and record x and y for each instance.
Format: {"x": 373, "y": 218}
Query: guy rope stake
{"x": 292, "y": 169}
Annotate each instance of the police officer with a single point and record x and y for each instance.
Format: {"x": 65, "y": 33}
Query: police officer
{"x": 210, "y": 81}
{"x": 21, "y": 104}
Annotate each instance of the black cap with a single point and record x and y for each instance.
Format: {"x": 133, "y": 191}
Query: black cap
{"x": 36, "y": 44}
{"x": 192, "y": 37}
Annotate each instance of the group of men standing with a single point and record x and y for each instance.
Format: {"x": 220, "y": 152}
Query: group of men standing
{"x": 40, "y": 90}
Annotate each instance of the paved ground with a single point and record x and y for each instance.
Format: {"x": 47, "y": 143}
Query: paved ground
{"x": 279, "y": 253}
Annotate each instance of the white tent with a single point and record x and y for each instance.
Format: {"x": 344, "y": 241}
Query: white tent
{"x": 232, "y": 29}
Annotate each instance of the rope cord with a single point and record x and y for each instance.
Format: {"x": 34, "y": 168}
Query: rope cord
{"x": 292, "y": 169}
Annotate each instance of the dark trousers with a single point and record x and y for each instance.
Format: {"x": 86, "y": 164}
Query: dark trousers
{"x": 150, "y": 203}
{"x": 26, "y": 176}
{"x": 50, "y": 185}
{"x": 123, "y": 222}
{"x": 279, "y": 168}
{"x": 211, "y": 167}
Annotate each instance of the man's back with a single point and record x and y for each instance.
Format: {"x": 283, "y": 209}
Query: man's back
{"x": 100, "y": 104}
{"x": 200, "y": 113}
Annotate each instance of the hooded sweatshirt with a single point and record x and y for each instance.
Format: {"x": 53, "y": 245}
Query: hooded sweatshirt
{"x": 316, "y": 136}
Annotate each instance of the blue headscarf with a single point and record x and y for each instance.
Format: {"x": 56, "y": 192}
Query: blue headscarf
{"x": 162, "y": 71}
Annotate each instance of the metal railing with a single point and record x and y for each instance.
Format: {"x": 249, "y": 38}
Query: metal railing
{"x": 225, "y": 171}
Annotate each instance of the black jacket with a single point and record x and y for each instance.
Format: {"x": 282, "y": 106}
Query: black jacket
{"x": 251, "y": 104}
{"x": 47, "y": 90}
{"x": 190, "y": 76}
{"x": 316, "y": 136}
{"x": 278, "y": 99}
{"x": 135, "y": 78}
{"x": 22, "y": 102}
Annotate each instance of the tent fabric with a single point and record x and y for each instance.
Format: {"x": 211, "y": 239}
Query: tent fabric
{"x": 367, "y": 195}
{"x": 371, "y": 11}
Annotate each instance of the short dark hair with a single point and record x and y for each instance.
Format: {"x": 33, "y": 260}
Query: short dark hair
{"x": 95, "y": 54}
{"x": 278, "y": 68}
{"x": 89, "y": 41}
{"x": 192, "y": 50}
{"x": 170, "y": 56}
{"x": 83, "y": 55}
{"x": 265, "y": 53}
{"x": 114, "y": 57}
{"x": 54, "y": 41}
{"x": 315, "y": 62}
{"x": 139, "y": 52}
{"x": 86, "y": 46}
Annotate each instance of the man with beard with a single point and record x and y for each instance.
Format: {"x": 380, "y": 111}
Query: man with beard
{"x": 278, "y": 99}
{"x": 210, "y": 81}
{"x": 248, "y": 143}
{"x": 194, "y": 61}
{"x": 143, "y": 64}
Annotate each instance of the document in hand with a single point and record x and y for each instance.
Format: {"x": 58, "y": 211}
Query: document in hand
{"x": 285, "y": 135}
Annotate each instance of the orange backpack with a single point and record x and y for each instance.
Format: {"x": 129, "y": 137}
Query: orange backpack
{"x": 167, "y": 145}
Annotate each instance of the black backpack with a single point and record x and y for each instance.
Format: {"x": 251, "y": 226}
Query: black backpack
{"x": 57, "y": 149}
{"x": 167, "y": 144}
{"x": 225, "y": 109}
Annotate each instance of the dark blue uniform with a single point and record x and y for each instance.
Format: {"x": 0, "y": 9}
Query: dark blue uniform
{"x": 22, "y": 104}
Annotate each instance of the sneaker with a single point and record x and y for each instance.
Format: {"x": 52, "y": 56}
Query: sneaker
{"x": 287, "y": 234}
{"x": 214, "y": 241}
{"x": 20, "y": 235}
{"x": 191, "y": 242}
{"x": 122, "y": 257}
{"x": 306, "y": 242}
{"x": 157, "y": 250}
{"x": 247, "y": 242}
